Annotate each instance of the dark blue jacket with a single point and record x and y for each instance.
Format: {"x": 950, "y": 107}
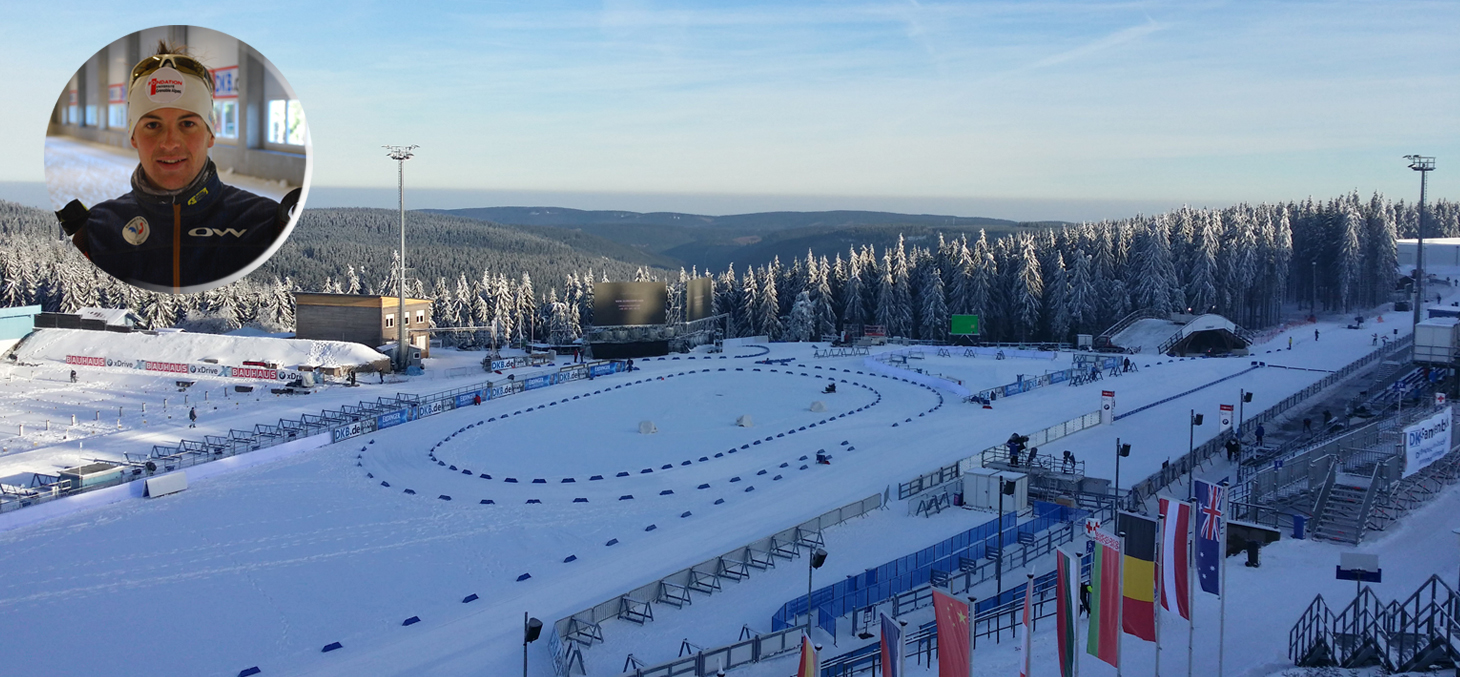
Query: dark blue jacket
{"x": 169, "y": 242}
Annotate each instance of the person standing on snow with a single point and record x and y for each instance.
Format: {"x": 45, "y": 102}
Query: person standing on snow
{"x": 193, "y": 417}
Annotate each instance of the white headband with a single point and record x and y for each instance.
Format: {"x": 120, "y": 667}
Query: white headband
{"x": 166, "y": 87}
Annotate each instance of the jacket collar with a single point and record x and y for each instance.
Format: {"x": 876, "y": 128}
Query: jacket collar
{"x": 205, "y": 188}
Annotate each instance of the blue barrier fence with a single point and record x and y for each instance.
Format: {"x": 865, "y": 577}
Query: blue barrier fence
{"x": 915, "y": 570}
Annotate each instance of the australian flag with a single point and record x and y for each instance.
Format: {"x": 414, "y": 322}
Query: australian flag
{"x": 1211, "y": 508}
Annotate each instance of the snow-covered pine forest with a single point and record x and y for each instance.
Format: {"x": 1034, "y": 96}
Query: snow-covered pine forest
{"x": 1244, "y": 262}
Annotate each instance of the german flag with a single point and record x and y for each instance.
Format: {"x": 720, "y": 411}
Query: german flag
{"x": 1138, "y": 604}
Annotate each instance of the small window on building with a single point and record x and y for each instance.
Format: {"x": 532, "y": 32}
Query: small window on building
{"x": 420, "y": 317}
{"x": 92, "y": 118}
{"x": 389, "y": 320}
{"x": 225, "y": 115}
{"x": 286, "y": 122}
{"x": 116, "y": 116}
{"x": 73, "y": 114}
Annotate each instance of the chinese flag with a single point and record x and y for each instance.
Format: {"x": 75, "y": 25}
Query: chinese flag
{"x": 953, "y": 619}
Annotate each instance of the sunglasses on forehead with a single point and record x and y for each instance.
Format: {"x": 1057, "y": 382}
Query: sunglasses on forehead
{"x": 181, "y": 62}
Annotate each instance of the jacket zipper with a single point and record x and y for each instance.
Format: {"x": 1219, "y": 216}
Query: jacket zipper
{"x": 176, "y": 246}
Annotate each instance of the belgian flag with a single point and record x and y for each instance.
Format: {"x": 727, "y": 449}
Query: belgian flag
{"x": 1138, "y": 603}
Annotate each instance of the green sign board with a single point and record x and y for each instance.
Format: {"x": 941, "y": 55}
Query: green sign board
{"x": 964, "y": 325}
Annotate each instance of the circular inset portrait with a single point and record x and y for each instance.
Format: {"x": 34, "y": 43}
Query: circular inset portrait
{"x": 177, "y": 159}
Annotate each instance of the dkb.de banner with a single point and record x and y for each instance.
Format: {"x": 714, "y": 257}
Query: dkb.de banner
{"x": 1426, "y": 441}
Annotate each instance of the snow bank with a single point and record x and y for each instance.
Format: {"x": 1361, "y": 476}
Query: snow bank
{"x": 183, "y": 352}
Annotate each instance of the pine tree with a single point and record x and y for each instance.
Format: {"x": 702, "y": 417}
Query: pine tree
{"x": 853, "y": 309}
{"x": 935, "y": 307}
{"x": 1057, "y": 299}
{"x": 1081, "y": 304}
{"x": 1201, "y": 290}
{"x": 750, "y": 304}
{"x": 769, "y": 308}
{"x": 1027, "y": 290}
{"x": 802, "y": 320}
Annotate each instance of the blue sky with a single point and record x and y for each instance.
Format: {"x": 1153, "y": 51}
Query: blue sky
{"x": 1021, "y": 109}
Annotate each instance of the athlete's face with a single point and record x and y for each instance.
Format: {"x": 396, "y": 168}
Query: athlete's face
{"x": 172, "y": 145}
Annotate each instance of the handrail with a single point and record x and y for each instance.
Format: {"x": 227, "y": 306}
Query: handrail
{"x": 1321, "y": 504}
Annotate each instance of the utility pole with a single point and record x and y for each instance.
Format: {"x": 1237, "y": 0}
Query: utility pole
{"x": 1424, "y": 165}
{"x": 400, "y": 154}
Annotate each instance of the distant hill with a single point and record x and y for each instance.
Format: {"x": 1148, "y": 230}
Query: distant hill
{"x": 326, "y": 242}
{"x": 672, "y": 239}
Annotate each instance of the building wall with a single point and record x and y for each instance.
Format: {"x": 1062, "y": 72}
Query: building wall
{"x": 358, "y": 319}
{"x": 1438, "y": 252}
{"x": 17, "y": 322}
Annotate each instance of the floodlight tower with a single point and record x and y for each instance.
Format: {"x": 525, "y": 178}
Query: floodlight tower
{"x": 400, "y": 154}
{"x": 1424, "y": 165}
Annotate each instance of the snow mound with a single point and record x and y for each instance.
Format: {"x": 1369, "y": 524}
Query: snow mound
{"x": 56, "y": 345}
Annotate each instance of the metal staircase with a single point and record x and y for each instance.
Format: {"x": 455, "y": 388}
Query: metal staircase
{"x": 1344, "y": 509}
{"x": 1419, "y": 633}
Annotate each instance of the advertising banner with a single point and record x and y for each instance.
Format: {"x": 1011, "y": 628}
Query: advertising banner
{"x": 205, "y": 369}
{"x": 698, "y": 299}
{"x": 602, "y": 369}
{"x": 629, "y": 303}
{"x": 1226, "y": 418}
{"x": 347, "y": 431}
{"x": 1426, "y": 441}
{"x": 468, "y": 399}
{"x": 393, "y": 418}
{"x": 1107, "y": 405}
{"x": 427, "y": 409}
{"x": 963, "y": 325}
{"x": 537, "y": 382}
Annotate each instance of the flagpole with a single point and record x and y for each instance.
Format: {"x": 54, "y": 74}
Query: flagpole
{"x": 1222, "y": 624}
{"x": 972, "y": 630}
{"x": 902, "y": 648}
{"x": 1075, "y": 608}
{"x": 1160, "y": 582}
{"x": 1120, "y": 605}
{"x": 1191, "y": 583}
{"x": 1028, "y": 627}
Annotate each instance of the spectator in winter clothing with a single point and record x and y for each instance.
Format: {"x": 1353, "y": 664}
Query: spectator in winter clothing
{"x": 180, "y": 228}
{"x": 1261, "y": 431}
{"x": 193, "y": 417}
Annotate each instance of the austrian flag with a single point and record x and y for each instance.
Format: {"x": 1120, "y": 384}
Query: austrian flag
{"x": 1175, "y": 570}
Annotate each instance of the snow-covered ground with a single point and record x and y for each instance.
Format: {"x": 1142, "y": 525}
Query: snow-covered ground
{"x": 91, "y": 172}
{"x": 264, "y": 566}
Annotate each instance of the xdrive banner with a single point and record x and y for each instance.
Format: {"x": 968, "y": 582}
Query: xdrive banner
{"x": 1426, "y": 441}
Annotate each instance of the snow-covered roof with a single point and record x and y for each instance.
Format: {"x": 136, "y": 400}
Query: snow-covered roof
{"x": 186, "y": 347}
{"x": 119, "y": 317}
{"x": 1207, "y": 323}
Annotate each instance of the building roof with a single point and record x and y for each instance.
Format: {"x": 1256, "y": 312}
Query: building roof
{"x": 120, "y": 317}
{"x": 351, "y": 300}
